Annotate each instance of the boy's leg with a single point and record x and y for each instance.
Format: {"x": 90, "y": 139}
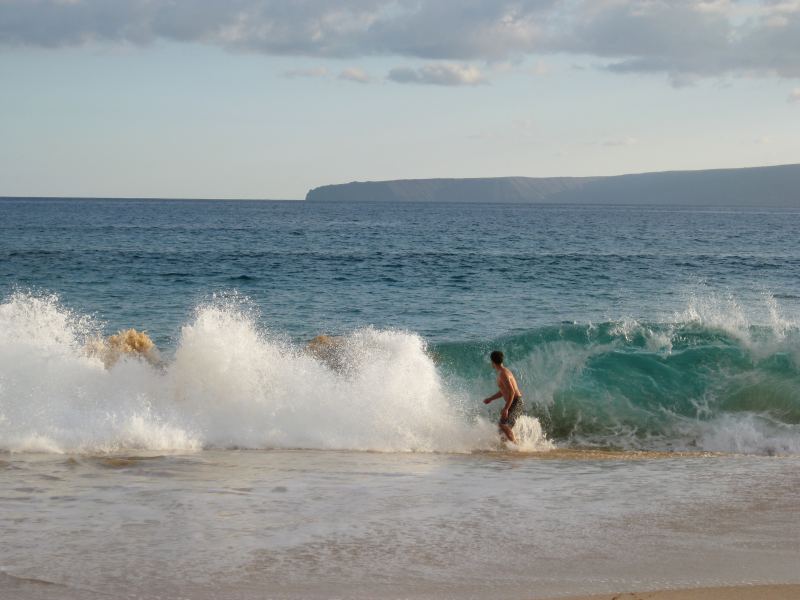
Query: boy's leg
{"x": 509, "y": 433}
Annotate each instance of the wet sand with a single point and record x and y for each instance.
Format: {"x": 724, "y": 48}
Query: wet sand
{"x": 588, "y": 454}
{"x": 755, "y": 592}
{"x": 312, "y": 525}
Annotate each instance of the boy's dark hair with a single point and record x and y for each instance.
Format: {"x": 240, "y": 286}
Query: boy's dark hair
{"x": 497, "y": 357}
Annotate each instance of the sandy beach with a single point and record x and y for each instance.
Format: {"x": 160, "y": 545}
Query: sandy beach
{"x": 311, "y": 525}
{"x": 755, "y": 592}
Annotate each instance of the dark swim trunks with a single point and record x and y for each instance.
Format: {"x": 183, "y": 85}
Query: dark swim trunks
{"x": 514, "y": 412}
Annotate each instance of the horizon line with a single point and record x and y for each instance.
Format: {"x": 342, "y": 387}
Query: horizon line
{"x": 183, "y": 198}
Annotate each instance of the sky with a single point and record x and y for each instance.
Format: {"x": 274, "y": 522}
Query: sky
{"x": 269, "y": 98}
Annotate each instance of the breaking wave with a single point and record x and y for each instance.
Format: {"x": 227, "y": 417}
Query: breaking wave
{"x": 708, "y": 380}
{"x": 230, "y": 384}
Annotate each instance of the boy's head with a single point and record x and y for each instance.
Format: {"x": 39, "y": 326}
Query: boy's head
{"x": 497, "y": 357}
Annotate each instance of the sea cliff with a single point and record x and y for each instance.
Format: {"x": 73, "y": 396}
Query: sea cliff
{"x": 776, "y": 186}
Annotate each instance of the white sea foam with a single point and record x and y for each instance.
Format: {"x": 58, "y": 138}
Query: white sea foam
{"x": 725, "y": 313}
{"x": 749, "y": 433}
{"x": 230, "y": 385}
{"x": 55, "y": 397}
{"x": 530, "y": 437}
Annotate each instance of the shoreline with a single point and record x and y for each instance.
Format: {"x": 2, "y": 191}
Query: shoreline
{"x": 788, "y": 591}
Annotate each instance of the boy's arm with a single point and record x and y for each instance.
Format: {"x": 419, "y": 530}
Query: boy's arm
{"x": 493, "y": 397}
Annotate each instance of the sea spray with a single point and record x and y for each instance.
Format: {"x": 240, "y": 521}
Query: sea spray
{"x": 243, "y": 388}
{"x": 700, "y": 382}
{"x": 230, "y": 384}
{"x": 55, "y": 396}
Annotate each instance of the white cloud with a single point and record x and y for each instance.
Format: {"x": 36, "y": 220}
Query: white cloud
{"x": 794, "y": 95}
{"x": 680, "y": 80}
{"x": 776, "y": 21}
{"x": 355, "y": 74}
{"x": 314, "y": 72}
{"x": 684, "y": 39}
{"x": 714, "y": 6}
{"x": 439, "y": 74}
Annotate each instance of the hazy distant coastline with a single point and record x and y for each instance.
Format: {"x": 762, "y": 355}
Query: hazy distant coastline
{"x": 775, "y": 186}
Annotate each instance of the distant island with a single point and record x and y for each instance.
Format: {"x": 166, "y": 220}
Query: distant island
{"x": 777, "y": 186}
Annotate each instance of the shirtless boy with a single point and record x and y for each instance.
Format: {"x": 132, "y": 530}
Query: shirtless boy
{"x": 509, "y": 391}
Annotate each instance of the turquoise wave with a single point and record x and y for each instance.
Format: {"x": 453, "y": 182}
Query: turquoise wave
{"x": 631, "y": 384}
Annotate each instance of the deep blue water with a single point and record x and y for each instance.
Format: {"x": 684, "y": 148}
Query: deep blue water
{"x": 450, "y": 272}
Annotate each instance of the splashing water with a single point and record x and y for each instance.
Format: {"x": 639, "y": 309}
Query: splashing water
{"x": 702, "y": 382}
{"x": 230, "y": 385}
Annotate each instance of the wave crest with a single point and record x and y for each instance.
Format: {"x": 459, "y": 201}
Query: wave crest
{"x": 709, "y": 380}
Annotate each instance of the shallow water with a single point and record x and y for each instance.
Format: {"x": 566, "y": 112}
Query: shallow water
{"x": 300, "y": 524}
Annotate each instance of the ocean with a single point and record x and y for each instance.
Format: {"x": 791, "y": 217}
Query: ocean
{"x": 657, "y": 348}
